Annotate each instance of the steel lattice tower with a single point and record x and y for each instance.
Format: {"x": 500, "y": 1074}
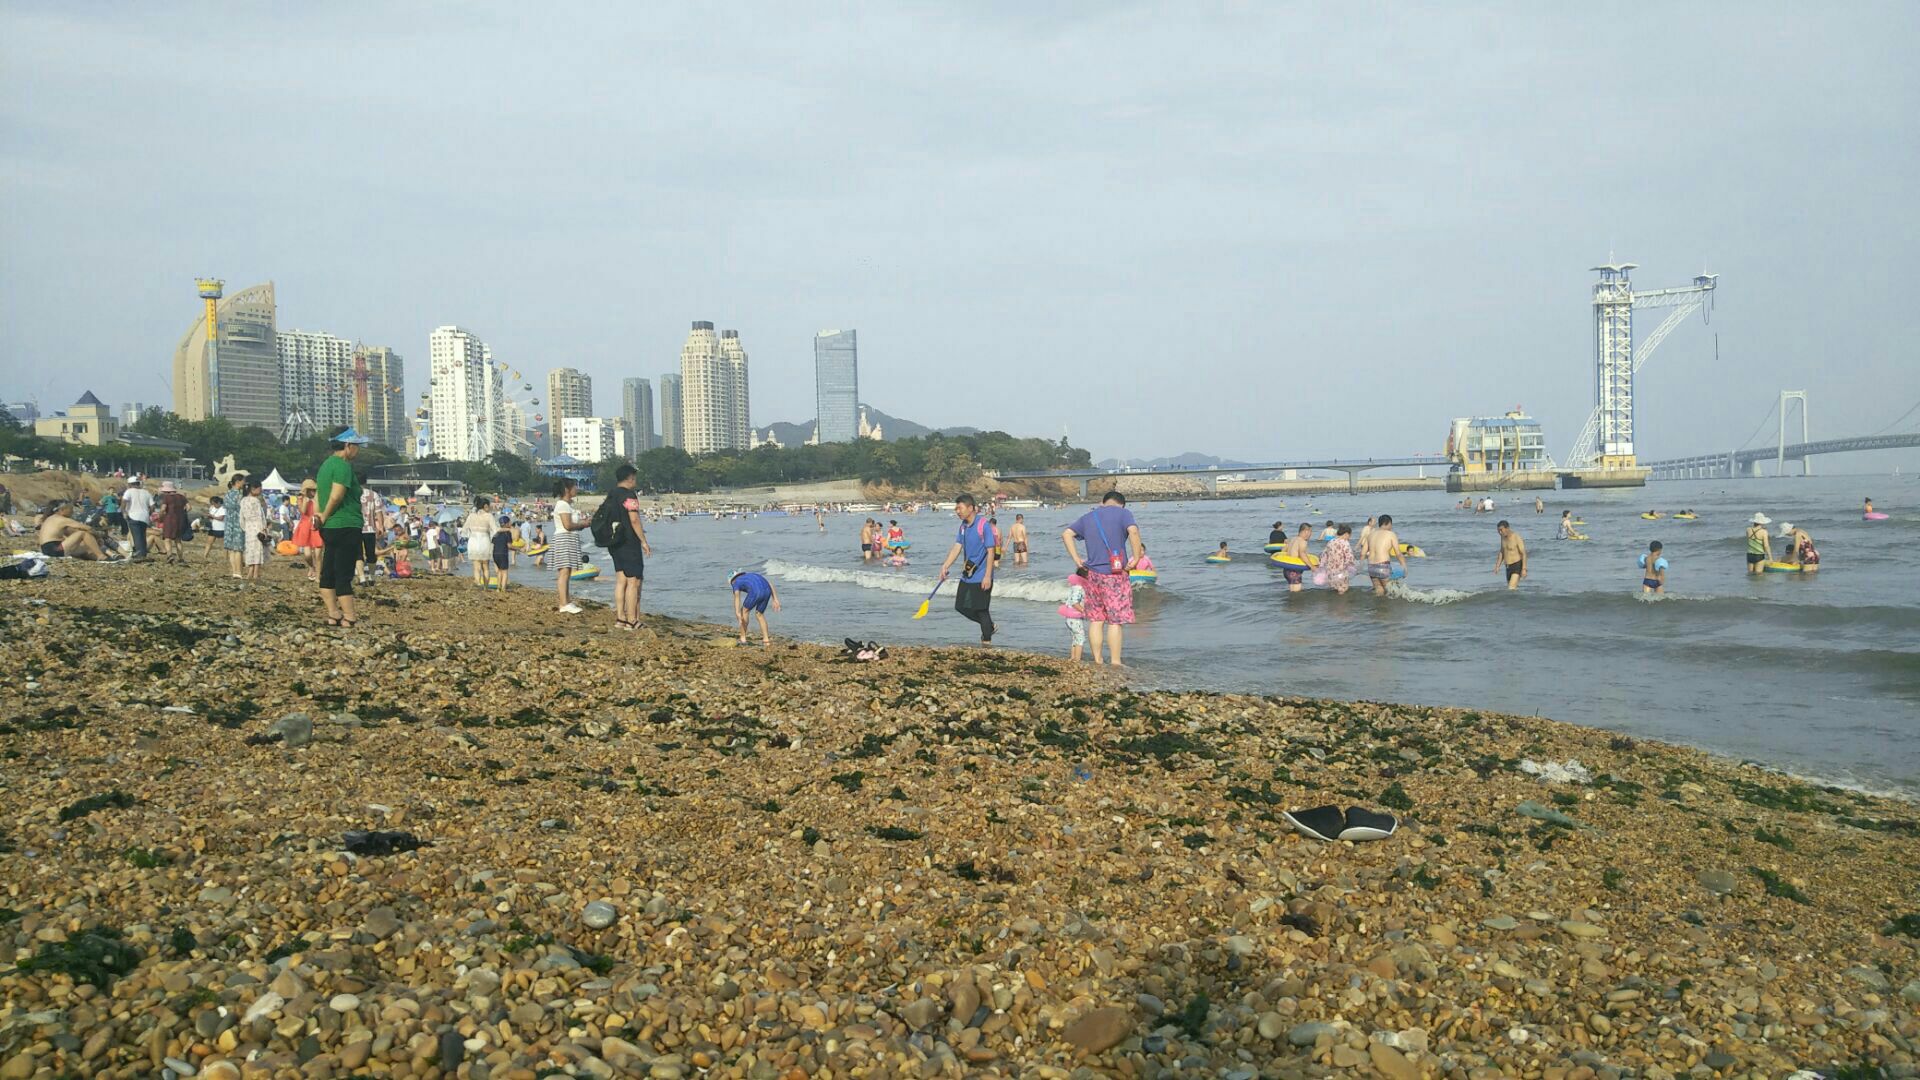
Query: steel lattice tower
{"x": 1613, "y": 365}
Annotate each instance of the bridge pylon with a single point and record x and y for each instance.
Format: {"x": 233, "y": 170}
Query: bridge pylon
{"x": 1780, "y": 453}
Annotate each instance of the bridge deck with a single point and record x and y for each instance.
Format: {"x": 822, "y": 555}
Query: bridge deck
{"x": 1332, "y": 464}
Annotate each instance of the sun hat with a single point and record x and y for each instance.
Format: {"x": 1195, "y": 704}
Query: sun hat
{"x": 351, "y": 436}
{"x": 1762, "y": 519}
{"x": 1786, "y": 529}
{"x": 167, "y": 485}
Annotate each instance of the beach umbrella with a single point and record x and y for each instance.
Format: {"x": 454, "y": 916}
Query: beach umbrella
{"x": 447, "y": 516}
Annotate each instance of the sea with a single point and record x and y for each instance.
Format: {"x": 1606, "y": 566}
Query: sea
{"x": 1817, "y": 675}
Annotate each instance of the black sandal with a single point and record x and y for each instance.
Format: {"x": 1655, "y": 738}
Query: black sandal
{"x": 346, "y": 623}
{"x": 331, "y": 621}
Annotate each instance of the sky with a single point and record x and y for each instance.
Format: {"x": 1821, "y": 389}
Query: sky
{"x": 1255, "y": 230}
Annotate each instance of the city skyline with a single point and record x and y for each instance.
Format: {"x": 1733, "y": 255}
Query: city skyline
{"x": 1361, "y": 207}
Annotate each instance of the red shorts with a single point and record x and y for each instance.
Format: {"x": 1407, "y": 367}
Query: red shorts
{"x": 1109, "y": 598}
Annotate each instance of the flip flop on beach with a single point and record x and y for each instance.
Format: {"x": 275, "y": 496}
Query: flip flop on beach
{"x": 1329, "y": 823}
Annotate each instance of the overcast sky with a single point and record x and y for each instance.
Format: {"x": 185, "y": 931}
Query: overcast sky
{"x": 1250, "y": 230}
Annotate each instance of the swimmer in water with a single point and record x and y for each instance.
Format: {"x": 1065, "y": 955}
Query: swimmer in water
{"x": 1381, "y": 548}
{"x": 1018, "y": 537}
{"x": 1222, "y": 553}
{"x": 1297, "y": 549}
{"x": 1759, "y": 545}
{"x": 1869, "y": 505}
{"x": 1279, "y": 533}
{"x": 1336, "y": 559}
{"x": 1653, "y": 570}
{"x": 1512, "y": 555}
{"x": 1566, "y": 524}
{"x": 1365, "y": 531}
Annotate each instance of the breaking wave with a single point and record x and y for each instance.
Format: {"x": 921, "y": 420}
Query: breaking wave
{"x": 1040, "y": 592}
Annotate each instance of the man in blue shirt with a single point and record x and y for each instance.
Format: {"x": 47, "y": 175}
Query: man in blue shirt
{"x": 1113, "y": 549}
{"x": 974, "y": 547}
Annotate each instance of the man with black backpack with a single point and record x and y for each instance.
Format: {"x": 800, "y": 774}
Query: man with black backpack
{"x": 616, "y": 527}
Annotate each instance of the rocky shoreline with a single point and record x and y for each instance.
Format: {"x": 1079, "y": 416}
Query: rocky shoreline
{"x": 654, "y": 854}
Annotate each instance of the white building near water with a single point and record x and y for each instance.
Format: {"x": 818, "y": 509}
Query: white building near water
{"x": 594, "y": 438}
{"x": 463, "y": 396}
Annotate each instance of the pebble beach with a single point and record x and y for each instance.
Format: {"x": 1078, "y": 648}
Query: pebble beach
{"x": 595, "y": 853}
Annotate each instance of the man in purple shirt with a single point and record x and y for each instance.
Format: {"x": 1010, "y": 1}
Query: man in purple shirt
{"x": 1113, "y": 549}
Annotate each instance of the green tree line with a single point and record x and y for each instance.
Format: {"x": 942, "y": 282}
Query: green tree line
{"x": 929, "y": 463}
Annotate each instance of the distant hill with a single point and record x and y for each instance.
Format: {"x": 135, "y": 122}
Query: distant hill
{"x": 892, "y": 429}
{"x": 1189, "y": 460}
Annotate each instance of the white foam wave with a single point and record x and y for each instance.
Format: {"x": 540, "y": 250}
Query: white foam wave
{"x": 1400, "y": 590}
{"x": 1040, "y": 592}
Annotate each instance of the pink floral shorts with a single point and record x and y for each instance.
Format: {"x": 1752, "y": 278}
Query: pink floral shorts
{"x": 1109, "y": 598}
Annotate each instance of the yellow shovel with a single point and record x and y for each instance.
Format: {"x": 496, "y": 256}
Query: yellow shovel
{"x": 922, "y": 613}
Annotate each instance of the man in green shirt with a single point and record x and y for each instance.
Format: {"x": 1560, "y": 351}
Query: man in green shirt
{"x": 339, "y": 514}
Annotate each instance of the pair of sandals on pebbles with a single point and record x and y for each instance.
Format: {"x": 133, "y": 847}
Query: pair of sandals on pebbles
{"x": 862, "y": 651}
{"x": 1330, "y": 823}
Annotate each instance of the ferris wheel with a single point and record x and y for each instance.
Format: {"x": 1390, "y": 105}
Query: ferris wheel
{"x": 520, "y": 427}
{"x": 516, "y": 422}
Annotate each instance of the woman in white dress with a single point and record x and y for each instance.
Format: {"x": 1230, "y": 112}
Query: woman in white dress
{"x": 253, "y": 526}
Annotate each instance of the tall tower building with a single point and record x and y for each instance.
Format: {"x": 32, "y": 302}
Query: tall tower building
{"x": 739, "y": 422}
{"x": 673, "y": 431}
{"x": 316, "y": 377}
{"x": 239, "y": 378}
{"x": 569, "y": 394}
{"x": 636, "y": 406}
{"x": 463, "y": 395}
{"x": 386, "y": 411}
{"x": 836, "y": 384}
{"x": 706, "y": 416}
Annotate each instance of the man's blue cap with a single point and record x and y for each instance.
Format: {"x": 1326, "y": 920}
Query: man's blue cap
{"x": 351, "y": 436}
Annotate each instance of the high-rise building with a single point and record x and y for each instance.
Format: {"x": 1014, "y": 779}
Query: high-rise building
{"x": 706, "y": 418}
{"x": 636, "y": 407}
{"x": 673, "y": 430}
{"x": 739, "y": 422}
{"x": 569, "y": 394}
{"x": 836, "y": 385}
{"x": 593, "y": 438}
{"x": 386, "y": 420}
{"x": 239, "y": 378}
{"x": 316, "y": 377}
{"x": 24, "y": 413}
{"x": 463, "y": 396}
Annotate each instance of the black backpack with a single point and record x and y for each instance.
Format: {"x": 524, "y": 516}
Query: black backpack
{"x": 609, "y": 524}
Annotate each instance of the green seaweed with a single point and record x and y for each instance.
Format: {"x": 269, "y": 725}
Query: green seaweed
{"x": 1396, "y": 797}
{"x": 96, "y": 956}
{"x": 1778, "y": 886}
{"x": 893, "y": 832}
{"x": 115, "y": 799}
{"x": 1193, "y": 1017}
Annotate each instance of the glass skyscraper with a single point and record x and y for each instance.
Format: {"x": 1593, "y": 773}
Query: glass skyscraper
{"x": 671, "y": 432}
{"x": 836, "y": 384}
{"x": 636, "y": 406}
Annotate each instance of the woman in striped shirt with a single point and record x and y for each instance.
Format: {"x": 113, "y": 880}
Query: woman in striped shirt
{"x": 563, "y": 551}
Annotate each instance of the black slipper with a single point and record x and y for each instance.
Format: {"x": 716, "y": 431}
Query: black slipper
{"x": 1368, "y": 825}
{"x": 1321, "y": 822}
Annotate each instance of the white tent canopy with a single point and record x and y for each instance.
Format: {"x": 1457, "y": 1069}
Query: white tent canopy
{"x": 423, "y": 490}
{"x": 274, "y": 482}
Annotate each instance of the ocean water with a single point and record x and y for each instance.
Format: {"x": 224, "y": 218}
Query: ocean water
{"x": 1815, "y": 674}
